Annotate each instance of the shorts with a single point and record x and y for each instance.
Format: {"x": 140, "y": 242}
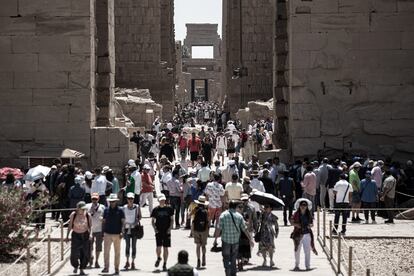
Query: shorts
{"x": 356, "y": 198}
{"x": 193, "y": 155}
{"x": 221, "y": 151}
{"x": 163, "y": 239}
{"x": 214, "y": 213}
{"x": 98, "y": 239}
{"x": 200, "y": 237}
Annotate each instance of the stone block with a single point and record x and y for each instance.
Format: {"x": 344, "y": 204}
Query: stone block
{"x": 305, "y": 112}
{"x": 80, "y": 7}
{"x": 6, "y": 80}
{"x": 305, "y": 146}
{"x": 309, "y": 41}
{"x": 380, "y": 40}
{"x": 9, "y": 7}
{"x": 64, "y": 62}
{"x": 17, "y": 97}
{"x": 402, "y": 111}
{"x": 407, "y": 40}
{"x": 17, "y": 26}
{"x": 392, "y": 128}
{"x": 18, "y": 62}
{"x": 356, "y": 22}
{"x": 391, "y": 22}
{"x": 305, "y": 128}
{"x": 45, "y": 7}
{"x": 301, "y": 23}
{"x": 354, "y": 6}
{"x": 80, "y": 45}
{"x": 54, "y": 44}
{"x": 41, "y": 80}
{"x": 333, "y": 142}
{"x": 72, "y": 26}
{"x": 331, "y": 122}
{"x": 405, "y": 6}
{"x": 79, "y": 80}
{"x": 302, "y": 95}
{"x": 5, "y": 44}
{"x": 384, "y": 5}
{"x": 300, "y": 59}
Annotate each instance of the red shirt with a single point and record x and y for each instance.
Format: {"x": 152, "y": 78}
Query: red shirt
{"x": 182, "y": 143}
{"x": 147, "y": 186}
{"x": 194, "y": 145}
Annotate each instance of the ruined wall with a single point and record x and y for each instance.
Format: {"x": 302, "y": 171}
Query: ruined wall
{"x": 352, "y": 76}
{"x": 139, "y": 31}
{"x": 46, "y": 76}
{"x": 256, "y": 48}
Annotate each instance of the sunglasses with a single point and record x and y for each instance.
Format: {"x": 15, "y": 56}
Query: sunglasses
{"x": 304, "y": 204}
{"x": 130, "y": 198}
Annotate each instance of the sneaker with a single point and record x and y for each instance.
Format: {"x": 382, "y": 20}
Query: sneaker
{"x": 126, "y": 266}
{"x": 389, "y": 221}
{"x": 296, "y": 268}
{"x": 374, "y": 222}
{"x": 75, "y": 270}
{"x": 334, "y": 232}
{"x": 81, "y": 272}
{"x": 164, "y": 267}
{"x": 203, "y": 263}
{"x": 264, "y": 263}
{"x": 105, "y": 270}
{"x": 132, "y": 266}
{"x": 116, "y": 272}
{"x": 157, "y": 262}
{"x": 272, "y": 263}
{"x": 198, "y": 263}
{"x": 97, "y": 265}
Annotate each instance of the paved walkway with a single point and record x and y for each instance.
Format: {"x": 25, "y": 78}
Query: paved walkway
{"x": 284, "y": 258}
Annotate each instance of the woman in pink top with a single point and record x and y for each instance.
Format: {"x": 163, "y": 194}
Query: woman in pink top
{"x": 80, "y": 226}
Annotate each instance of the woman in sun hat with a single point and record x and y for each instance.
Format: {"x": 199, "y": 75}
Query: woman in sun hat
{"x": 302, "y": 235}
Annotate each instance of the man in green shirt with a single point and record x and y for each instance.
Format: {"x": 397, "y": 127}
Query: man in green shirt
{"x": 356, "y": 188}
{"x": 231, "y": 225}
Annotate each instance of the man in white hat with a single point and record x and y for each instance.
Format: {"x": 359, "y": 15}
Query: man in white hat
{"x": 200, "y": 228}
{"x": 113, "y": 221}
{"x": 229, "y": 170}
{"x": 147, "y": 191}
{"x": 96, "y": 210}
{"x": 162, "y": 222}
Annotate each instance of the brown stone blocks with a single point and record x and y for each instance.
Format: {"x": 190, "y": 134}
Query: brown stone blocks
{"x": 40, "y": 80}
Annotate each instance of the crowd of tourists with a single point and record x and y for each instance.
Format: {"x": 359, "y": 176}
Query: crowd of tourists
{"x": 201, "y": 179}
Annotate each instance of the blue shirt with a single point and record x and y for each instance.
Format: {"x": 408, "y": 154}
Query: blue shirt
{"x": 113, "y": 220}
{"x": 369, "y": 190}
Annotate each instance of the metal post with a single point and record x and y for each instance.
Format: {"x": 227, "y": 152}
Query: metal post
{"x": 330, "y": 240}
{"x": 324, "y": 227}
{"x": 49, "y": 255}
{"x": 368, "y": 272}
{"x": 339, "y": 253}
{"x": 350, "y": 262}
{"x": 61, "y": 241}
{"x": 28, "y": 261}
{"x": 317, "y": 221}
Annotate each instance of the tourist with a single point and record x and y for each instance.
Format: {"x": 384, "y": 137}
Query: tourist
{"x": 250, "y": 218}
{"x": 228, "y": 171}
{"x": 309, "y": 184}
{"x": 231, "y": 225}
{"x": 200, "y": 228}
{"x": 134, "y": 184}
{"x": 233, "y": 189}
{"x": 182, "y": 267}
{"x": 147, "y": 192}
{"x": 334, "y": 173}
{"x": 186, "y": 200}
{"x": 112, "y": 224}
{"x": 369, "y": 196}
{"x": 99, "y": 186}
{"x": 288, "y": 194}
{"x": 182, "y": 145}
{"x": 87, "y": 185}
{"x": 269, "y": 230}
{"x": 231, "y": 147}
{"x": 80, "y": 226}
{"x": 343, "y": 196}
{"x": 132, "y": 213}
{"x": 302, "y": 233}
{"x": 322, "y": 181}
{"x": 277, "y": 169}
{"x": 207, "y": 150}
{"x": 96, "y": 211}
{"x": 204, "y": 173}
{"x": 268, "y": 184}
{"x": 388, "y": 195}
{"x": 76, "y": 192}
{"x": 377, "y": 173}
{"x": 175, "y": 194}
{"x": 167, "y": 149}
{"x": 256, "y": 185}
{"x": 356, "y": 190}
{"x": 194, "y": 146}
{"x": 215, "y": 195}
{"x": 162, "y": 222}
{"x": 112, "y": 182}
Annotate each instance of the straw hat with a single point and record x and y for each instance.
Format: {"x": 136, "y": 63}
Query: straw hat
{"x": 201, "y": 200}
{"x": 300, "y": 200}
{"x": 113, "y": 197}
{"x": 244, "y": 197}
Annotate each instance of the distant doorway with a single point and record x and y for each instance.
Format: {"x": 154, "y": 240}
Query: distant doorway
{"x": 199, "y": 90}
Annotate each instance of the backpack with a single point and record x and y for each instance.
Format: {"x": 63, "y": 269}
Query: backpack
{"x": 200, "y": 220}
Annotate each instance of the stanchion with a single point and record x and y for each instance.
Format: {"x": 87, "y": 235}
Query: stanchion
{"x": 339, "y": 253}
{"x": 368, "y": 272}
{"x": 324, "y": 227}
{"x": 330, "y": 240}
{"x": 318, "y": 222}
{"x": 61, "y": 241}
{"x": 49, "y": 255}
{"x": 350, "y": 262}
{"x": 28, "y": 261}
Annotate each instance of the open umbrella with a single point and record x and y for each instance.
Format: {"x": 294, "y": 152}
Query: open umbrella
{"x": 18, "y": 174}
{"x": 70, "y": 153}
{"x": 37, "y": 172}
{"x": 266, "y": 199}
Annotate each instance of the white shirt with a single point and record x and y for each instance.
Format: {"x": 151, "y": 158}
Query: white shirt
{"x": 131, "y": 216}
{"x": 234, "y": 190}
{"x": 340, "y": 188}
{"x": 96, "y": 213}
{"x": 99, "y": 185}
{"x": 258, "y": 185}
{"x": 138, "y": 183}
{"x": 221, "y": 142}
{"x": 204, "y": 174}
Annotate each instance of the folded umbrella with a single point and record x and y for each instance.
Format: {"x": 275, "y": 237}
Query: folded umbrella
{"x": 266, "y": 199}
{"x": 37, "y": 172}
{"x": 17, "y": 173}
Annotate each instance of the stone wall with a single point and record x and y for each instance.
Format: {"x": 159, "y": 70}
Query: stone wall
{"x": 255, "y": 43}
{"x": 142, "y": 39}
{"x": 46, "y": 76}
{"x": 352, "y": 77}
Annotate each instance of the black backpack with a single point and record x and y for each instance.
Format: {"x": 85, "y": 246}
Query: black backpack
{"x": 200, "y": 220}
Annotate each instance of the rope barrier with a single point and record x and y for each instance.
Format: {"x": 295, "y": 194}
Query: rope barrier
{"x": 412, "y": 196}
{"x": 368, "y": 209}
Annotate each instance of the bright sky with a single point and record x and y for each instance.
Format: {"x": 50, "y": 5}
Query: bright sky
{"x": 196, "y": 11}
